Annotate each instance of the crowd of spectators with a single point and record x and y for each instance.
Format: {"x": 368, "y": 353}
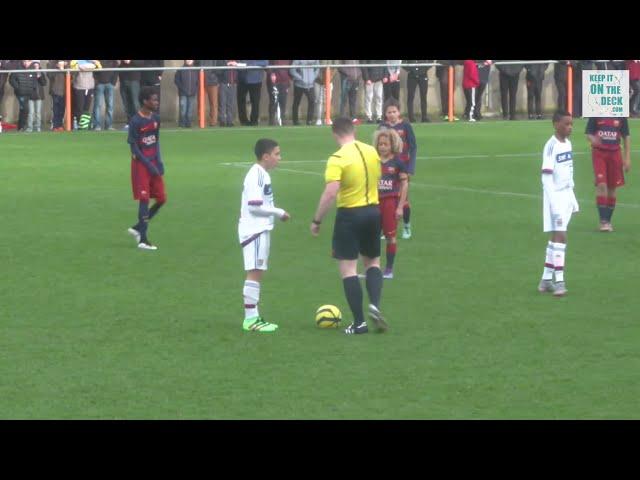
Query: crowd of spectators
{"x": 233, "y": 94}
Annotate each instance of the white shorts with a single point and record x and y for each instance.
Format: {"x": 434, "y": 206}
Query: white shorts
{"x": 256, "y": 250}
{"x": 566, "y": 205}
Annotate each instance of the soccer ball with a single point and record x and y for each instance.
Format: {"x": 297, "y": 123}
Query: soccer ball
{"x": 328, "y": 316}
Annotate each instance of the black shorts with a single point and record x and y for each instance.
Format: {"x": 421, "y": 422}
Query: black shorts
{"x": 357, "y": 231}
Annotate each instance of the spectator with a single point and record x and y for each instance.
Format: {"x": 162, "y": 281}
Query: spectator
{"x": 130, "y": 88}
{"x": 34, "y": 119}
{"x": 484, "y": 69}
{"x": 442, "y": 73}
{"x": 303, "y": 79}
{"x": 417, "y": 77}
{"x": 187, "y": 82}
{"x": 560, "y": 77}
{"x": 509, "y": 78}
{"x": 4, "y": 65}
{"x": 57, "y": 91}
{"x": 83, "y": 90}
{"x": 211, "y": 87}
{"x": 23, "y": 84}
{"x": 350, "y": 83}
{"x": 250, "y": 81}
{"x": 227, "y": 93}
{"x": 152, "y": 78}
{"x": 104, "y": 94}
{"x": 278, "y": 82}
{"x": 373, "y": 77}
{"x": 391, "y": 80}
{"x": 634, "y": 83}
{"x": 578, "y": 67}
{"x": 470, "y": 82}
{"x": 319, "y": 91}
{"x": 535, "y": 77}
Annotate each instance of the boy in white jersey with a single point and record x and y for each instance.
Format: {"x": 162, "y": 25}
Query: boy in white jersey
{"x": 559, "y": 201}
{"x": 257, "y": 213}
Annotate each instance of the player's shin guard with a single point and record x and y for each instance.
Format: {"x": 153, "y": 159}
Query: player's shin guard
{"x": 611, "y": 205}
{"x": 251, "y": 293}
{"x": 558, "y": 260}
{"x": 353, "y": 292}
{"x": 143, "y": 220}
{"x": 391, "y": 255}
{"x": 374, "y": 285}
{"x": 603, "y": 208}
{"x": 548, "y": 263}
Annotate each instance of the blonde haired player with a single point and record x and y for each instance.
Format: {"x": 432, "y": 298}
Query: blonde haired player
{"x": 559, "y": 201}
{"x": 257, "y": 213}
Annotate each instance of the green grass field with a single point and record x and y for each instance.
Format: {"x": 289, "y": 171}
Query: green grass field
{"x": 93, "y": 328}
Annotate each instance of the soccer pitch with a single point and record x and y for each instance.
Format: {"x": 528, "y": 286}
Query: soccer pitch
{"x": 93, "y": 328}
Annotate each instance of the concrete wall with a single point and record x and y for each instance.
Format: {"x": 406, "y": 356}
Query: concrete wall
{"x": 169, "y": 104}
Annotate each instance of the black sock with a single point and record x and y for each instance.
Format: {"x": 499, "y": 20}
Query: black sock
{"x": 374, "y": 285}
{"x": 353, "y": 292}
{"x": 153, "y": 210}
{"x": 406, "y": 214}
{"x": 602, "y": 211}
{"x": 609, "y": 213}
{"x": 143, "y": 220}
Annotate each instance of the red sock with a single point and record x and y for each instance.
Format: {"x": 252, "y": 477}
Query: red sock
{"x": 611, "y": 202}
{"x": 602, "y": 201}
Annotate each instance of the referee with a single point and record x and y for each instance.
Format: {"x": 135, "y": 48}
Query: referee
{"x": 351, "y": 177}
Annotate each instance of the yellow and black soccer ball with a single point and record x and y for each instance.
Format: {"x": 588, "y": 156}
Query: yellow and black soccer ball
{"x": 328, "y": 316}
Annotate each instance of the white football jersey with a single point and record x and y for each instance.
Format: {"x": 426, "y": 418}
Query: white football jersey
{"x": 256, "y": 191}
{"x": 557, "y": 158}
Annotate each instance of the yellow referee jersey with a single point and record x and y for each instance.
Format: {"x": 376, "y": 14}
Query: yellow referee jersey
{"x": 357, "y": 167}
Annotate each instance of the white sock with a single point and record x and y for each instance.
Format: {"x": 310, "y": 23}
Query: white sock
{"x": 548, "y": 263}
{"x": 558, "y": 260}
{"x": 251, "y": 292}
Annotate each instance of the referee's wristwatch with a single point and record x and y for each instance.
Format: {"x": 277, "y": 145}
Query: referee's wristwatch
{"x": 315, "y": 222}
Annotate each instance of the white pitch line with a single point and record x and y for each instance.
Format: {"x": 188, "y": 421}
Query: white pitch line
{"x": 452, "y": 188}
{"x": 434, "y": 157}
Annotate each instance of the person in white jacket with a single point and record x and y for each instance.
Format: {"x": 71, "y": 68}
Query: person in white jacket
{"x": 257, "y": 213}
{"x": 559, "y": 201}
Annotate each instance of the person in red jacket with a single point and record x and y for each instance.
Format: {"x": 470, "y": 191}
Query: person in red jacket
{"x": 470, "y": 81}
{"x": 634, "y": 82}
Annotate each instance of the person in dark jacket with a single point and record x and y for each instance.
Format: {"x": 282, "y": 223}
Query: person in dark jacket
{"x": 417, "y": 77}
{"x": 104, "y": 94}
{"x": 57, "y": 92}
{"x": 442, "y": 74}
{"x": 373, "y": 90}
{"x": 250, "y": 81}
{"x": 227, "y": 93}
{"x": 211, "y": 87}
{"x": 152, "y": 78}
{"x": 560, "y": 78}
{"x": 535, "y": 77}
{"x": 34, "y": 119}
{"x": 278, "y": 82}
{"x": 350, "y": 83}
{"x": 130, "y": 87}
{"x": 187, "y": 82}
{"x": 23, "y": 84}
{"x": 484, "y": 70}
{"x": 509, "y": 78}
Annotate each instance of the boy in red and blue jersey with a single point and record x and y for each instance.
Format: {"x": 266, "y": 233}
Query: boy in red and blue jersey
{"x": 393, "y": 120}
{"x": 608, "y": 164}
{"x": 392, "y": 189}
{"x": 147, "y": 168}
